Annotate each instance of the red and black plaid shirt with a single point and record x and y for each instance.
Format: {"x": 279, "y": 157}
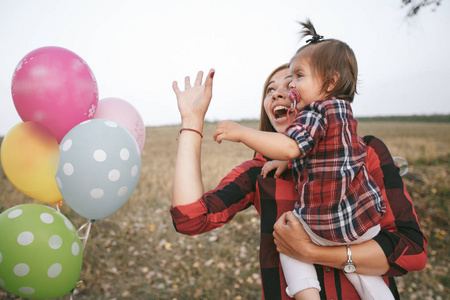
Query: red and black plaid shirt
{"x": 336, "y": 196}
{"x": 400, "y": 237}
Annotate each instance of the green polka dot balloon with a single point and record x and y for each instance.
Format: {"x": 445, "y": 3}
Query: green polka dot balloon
{"x": 40, "y": 252}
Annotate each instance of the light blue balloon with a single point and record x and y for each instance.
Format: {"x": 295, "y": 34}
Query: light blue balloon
{"x": 99, "y": 167}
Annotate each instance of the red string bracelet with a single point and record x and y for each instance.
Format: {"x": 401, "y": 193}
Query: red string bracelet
{"x": 190, "y": 129}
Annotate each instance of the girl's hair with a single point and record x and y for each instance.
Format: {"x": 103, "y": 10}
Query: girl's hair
{"x": 328, "y": 58}
{"x": 264, "y": 122}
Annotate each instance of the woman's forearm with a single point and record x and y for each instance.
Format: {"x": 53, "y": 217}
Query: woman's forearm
{"x": 291, "y": 239}
{"x": 193, "y": 103}
{"x": 368, "y": 257}
{"x": 187, "y": 180}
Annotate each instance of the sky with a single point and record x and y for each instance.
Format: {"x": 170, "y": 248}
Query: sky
{"x": 137, "y": 48}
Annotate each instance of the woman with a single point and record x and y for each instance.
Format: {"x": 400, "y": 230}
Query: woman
{"x": 398, "y": 248}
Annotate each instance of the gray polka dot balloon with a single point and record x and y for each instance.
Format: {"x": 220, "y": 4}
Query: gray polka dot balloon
{"x": 99, "y": 167}
{"x": 40, "y": 252}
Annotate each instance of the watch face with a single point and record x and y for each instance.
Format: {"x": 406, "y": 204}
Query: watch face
{"x": 349, "y": 268}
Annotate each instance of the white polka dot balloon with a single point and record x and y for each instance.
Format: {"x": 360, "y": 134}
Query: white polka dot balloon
{"x": 99, "y": 167}
{"x": 40, "y": 252}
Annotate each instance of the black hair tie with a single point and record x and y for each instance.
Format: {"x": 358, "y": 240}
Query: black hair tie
{"x": 316, "y": 38}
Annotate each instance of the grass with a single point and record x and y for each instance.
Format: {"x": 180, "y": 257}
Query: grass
{"x": 136, "y": 254}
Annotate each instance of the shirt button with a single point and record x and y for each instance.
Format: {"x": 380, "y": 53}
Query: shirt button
{"x": 328, "y": 270}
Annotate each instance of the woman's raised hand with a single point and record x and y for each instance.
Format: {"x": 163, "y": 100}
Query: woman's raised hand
{"x": 193, "y": 102}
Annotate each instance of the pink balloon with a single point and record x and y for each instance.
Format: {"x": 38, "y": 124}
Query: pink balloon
{"x": 55, "y": 87}
{"x": 125, "y": 114}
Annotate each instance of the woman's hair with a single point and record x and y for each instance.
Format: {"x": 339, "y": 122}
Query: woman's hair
{"x": 264, "y": 122}
{"x": 327, "y": 58}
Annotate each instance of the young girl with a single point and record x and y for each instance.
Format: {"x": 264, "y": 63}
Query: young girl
{"x": 339, "y": 203}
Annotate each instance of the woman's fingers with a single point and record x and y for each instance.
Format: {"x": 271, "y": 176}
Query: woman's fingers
{"x": 280, "y": 222}
{"x": 187, "y": 82}
{"x": 209, "y": 83}
{"x": 198, "y": 79}
{"x": 175, "y": 87}
{"x": 291, "y": 218}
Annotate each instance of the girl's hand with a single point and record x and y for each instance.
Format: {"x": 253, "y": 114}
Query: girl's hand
{"x": 291, "y": 239}
{"x": 279, "y": 165}
{"x": 194, "y": 101}
{"x": 227, "y": 130}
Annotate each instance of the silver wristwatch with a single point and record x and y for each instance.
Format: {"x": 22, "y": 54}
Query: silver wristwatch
{"x": 349, "y": 266}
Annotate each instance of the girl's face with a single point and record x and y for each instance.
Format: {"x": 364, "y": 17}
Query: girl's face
{"x": 276, "y": 102}
{"x": 309, "y": 87}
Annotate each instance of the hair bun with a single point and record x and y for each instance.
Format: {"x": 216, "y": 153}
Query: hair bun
{"x": 316, "y": 38}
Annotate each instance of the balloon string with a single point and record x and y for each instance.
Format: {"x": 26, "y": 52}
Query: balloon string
{"x": 58, "y": 205}
{"x": 86, "y": 236}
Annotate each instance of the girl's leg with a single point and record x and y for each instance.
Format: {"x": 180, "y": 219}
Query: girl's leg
{"x": 308, "y": 294}
{"x": 370, "y": 287}
{"x": 301, "y": 278}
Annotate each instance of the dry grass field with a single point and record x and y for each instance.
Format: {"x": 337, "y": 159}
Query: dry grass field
{"x": 136, "y": 253}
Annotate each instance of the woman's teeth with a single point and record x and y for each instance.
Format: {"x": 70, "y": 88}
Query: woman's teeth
{"x": 280, "y": 111}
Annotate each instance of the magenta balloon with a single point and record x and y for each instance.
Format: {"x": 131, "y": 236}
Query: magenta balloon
{"x": 125, "y": 114}
{"x": 55, "y": 87}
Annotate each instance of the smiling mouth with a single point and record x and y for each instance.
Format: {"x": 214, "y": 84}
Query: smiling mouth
{"x": 280, "y": 111}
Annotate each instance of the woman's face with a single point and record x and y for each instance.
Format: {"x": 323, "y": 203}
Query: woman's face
{"x": 276, "y": 102}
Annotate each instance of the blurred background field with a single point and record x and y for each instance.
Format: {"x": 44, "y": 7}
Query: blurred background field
{"x": 136, "y": 254}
